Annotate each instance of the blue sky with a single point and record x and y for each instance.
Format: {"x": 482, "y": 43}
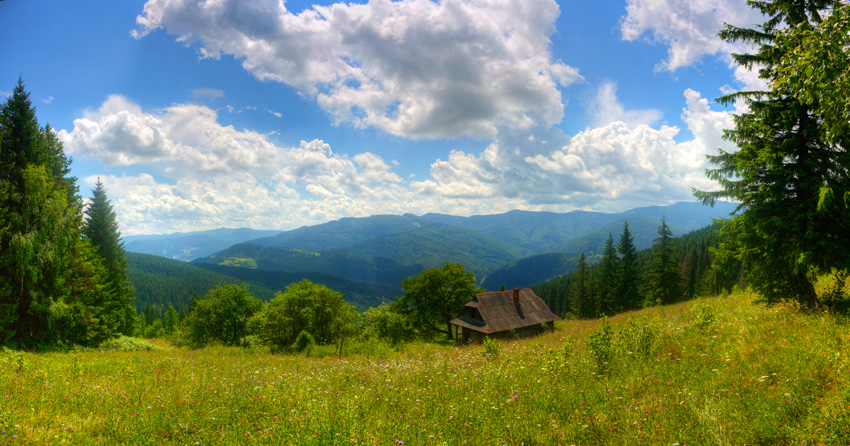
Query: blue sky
{"x": 273, "y": 115}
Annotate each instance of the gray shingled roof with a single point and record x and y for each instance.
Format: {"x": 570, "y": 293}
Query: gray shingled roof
{"x": 500, "y": 313}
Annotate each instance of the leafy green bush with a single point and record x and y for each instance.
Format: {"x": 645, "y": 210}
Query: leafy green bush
{"x": 304, "y": 343}
{"x": 603, "y": 344}
{"x": 127, "y": 344}
{"x": 491, "y": 348}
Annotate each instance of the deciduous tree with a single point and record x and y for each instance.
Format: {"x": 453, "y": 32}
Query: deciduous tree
{"x": 306, "y": 307}
{"x": 436, "y": 296}
{"x": 222, "y": 315}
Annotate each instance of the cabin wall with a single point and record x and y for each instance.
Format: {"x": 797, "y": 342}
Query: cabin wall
{"x": 476, "y": 337}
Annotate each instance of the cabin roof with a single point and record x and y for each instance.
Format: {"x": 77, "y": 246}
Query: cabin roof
{"x": 500, "y": 313}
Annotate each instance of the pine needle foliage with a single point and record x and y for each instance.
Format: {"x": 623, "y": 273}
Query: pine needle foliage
{"x": 784, "y": 170}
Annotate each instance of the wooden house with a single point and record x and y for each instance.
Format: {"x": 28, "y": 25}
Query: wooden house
{"x": 517, "y": 312}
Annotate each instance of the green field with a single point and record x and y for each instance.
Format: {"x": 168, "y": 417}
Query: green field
{"x": 708, "y": 371}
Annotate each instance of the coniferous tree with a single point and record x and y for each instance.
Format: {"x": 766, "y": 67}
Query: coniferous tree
{"x": 608, "y": 280}
{"x": 627, "y": 287}
{"x": 790, "y": 175}
{"x": 664, "y": 284}
{"x": 101, "y": 230}
{"x": 46, "y": 277}
{"x": 580, "y": 303}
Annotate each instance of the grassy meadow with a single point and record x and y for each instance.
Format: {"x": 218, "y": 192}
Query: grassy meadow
{"x": 710, "y": 371}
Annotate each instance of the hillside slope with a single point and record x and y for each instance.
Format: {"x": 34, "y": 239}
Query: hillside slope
{"x": 340, "y": 234}
{"x": 708, "y": 371}
{"x": 345, "y": 264}
{"x": 436, "y": 244}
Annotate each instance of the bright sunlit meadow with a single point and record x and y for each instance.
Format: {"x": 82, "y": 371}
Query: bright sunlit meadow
{"x": 710, "y": 371}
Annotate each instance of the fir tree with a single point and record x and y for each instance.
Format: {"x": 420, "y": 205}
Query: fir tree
{"x": 101, "y": 230}
{"x": 46, "y": 277}
{"x": 608, "y": 280}
{"x": 580, "y": 304}
{"x": 787, "y": 169}
{"x": 664, "y": 285}
{"x": 627, "y": 286}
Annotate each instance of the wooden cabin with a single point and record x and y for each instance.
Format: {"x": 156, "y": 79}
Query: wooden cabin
{"x": 501, "y": 314}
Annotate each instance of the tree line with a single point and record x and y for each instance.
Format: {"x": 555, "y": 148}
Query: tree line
{"x": 623, "y": 279}
{"x": 63, "y": 275}
{"x": 306, "y": 314}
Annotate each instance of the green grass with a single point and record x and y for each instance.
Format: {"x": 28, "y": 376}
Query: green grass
{"x": 711, "y": 371}
{"x": 240, "y": 262}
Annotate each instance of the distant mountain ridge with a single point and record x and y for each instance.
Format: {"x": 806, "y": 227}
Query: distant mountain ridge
{"x": 516, "y": 248}
{"x": 187, "y": 246}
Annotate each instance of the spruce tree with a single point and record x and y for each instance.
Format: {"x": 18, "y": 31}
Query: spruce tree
{"x": 787, "y": 169}
{"x": 101, "y": 230}
{"x": 608, "y": 280}
{"x": 627, "y": 287}
{"x": 580, "y": 304}
{"x": 50, "y": 279}
{"x": 664, "y": 285}
{"x": 40, "y": 219}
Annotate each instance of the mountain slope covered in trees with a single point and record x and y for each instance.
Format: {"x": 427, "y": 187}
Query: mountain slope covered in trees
{"x": 339, "y": 263}
{"x": 160, "y": 282}
{"x": 191, "y": 245}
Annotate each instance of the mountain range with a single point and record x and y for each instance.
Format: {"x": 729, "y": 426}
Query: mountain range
{"x": 514, "y": 249}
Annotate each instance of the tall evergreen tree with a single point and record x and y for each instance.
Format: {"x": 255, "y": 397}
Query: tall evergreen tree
{"x": 786, "y": 169}
{"x": 608, "y": 280}
{"x": 627, "y": 287}
{"x": 50, "y": 279}
{"x": 580, "y": 304}
{"x": 664, "y": 284}
{"x": 42, "y": 265}
{"x": 101, "y": 230}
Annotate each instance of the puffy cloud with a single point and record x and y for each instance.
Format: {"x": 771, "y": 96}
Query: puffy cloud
{"x": 688, "y": 27}
{"x": 217, "y": 173}
{"x": 612, "y": 167}
{"x": 187, "y": 140}
{"x": 415, "y": 68}
{"x": 607, "y": 109}
{"x": 205, "y": 175}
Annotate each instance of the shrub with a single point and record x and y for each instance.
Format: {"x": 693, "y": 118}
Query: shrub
{"x": 603, "y": 344}
{"x": 491, "y": 348}
{"x": 127, "y": 344}
{"x": 304, "y": 343}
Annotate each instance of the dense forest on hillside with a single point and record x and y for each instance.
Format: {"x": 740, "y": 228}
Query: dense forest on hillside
{"x": 160, "y": 282}
{"x": 340, "y": 263}
{"x": 436, "y": 244}
{"x": 692, "y": 253}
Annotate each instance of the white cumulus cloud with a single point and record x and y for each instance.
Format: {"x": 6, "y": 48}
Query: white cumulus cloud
{"x": 689, "y": 30}
{"x": 414, "y": 68}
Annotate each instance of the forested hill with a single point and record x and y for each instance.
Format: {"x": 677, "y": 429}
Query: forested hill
{"x": 691, "y": 254}
{"x": 160, "y": 282}
{"x": 435, "y": 244}
{"x": 342, "y": 233}
{"x": 515, "y": 249}
{"x": 338, "y": 263}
